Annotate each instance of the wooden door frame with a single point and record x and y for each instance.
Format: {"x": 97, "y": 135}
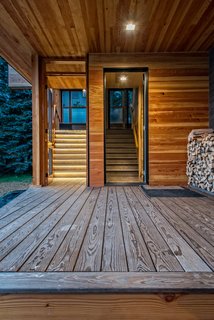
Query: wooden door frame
{"x": 145, "y": 82}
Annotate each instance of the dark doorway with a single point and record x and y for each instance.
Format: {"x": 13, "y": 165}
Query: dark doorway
{"x": 119, "y": 108}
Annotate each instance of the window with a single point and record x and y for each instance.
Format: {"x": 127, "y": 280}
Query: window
{"x": 74, "y": 106}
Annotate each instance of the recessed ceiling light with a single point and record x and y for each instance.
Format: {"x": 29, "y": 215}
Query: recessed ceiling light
{"x": 130, "y": 26}
{"x": 123, "y": 78}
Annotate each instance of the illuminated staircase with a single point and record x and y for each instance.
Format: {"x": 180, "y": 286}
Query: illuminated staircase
{"x": 121, "y": 157}
{"x": 69, "y": 154}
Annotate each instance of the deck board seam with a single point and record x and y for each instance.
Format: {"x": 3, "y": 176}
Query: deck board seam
{"x": 66, "y": 191}
{"x": 121, "y": 225}
{"x": 86, "y": 230}
{"x": 75, "y": 190}
{"x": 71, "y": 226}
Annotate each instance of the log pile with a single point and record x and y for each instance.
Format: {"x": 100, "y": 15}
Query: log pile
{"x": 200, "y": 164}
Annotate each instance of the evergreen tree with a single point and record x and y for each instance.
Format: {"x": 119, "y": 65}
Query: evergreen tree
{"x": 15, "y": 126}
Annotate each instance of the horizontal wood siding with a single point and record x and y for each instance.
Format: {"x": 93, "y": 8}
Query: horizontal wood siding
{"x": 211, "y": 82}
{"x": 96, "y": 128}
{"x": 178, "y": 103}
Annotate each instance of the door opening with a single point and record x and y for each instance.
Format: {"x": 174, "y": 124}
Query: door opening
{"x": 126, "y": 126}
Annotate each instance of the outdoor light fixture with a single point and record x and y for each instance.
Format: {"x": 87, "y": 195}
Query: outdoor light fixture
{"x": 130, "y": 27}
{"x": 123, "y": 77}
{"x": 84, "y": 92}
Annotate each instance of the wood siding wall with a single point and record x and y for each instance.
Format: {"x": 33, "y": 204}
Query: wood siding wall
{"x": 211, "y": 95}
{"x": 178, "y": 103}
{"x": 96, "y": 127}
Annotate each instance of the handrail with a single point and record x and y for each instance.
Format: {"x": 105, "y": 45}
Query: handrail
{"x": 134, "y": 111}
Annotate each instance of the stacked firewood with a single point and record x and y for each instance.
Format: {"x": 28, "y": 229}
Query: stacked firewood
{"x": 200, "y": 164}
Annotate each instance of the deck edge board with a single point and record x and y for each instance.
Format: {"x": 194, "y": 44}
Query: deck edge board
{"x": 106, "y": 282}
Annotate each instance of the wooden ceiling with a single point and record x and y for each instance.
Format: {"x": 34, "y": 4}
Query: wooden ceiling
{"x": 77, "y": 27}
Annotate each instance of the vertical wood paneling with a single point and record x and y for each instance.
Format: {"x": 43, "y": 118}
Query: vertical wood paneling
{"x": 96, "y": 127}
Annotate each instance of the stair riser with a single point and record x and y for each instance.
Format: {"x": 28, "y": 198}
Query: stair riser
{"x": 69, "y": 175}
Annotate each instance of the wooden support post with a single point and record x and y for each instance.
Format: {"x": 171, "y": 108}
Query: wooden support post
{"x": 96, "y": 128}
{"x": 39, "y": 122}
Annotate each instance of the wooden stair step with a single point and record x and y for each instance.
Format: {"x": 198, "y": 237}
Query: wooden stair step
{"x": 70, "y": 146}
{"x": 121, "y": 161}
{"x": 122, "y": 168}
{"x": 69, "y": 162}
{"x": 68, "y": 156}
{"x": 70, "y": 151}
{"x": 70, "y": 174}
{"x": 61, "y": 168}
{"x": 121, "y": 156}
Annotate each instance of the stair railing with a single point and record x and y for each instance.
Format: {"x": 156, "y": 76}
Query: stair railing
{"x": 136, "y": 111}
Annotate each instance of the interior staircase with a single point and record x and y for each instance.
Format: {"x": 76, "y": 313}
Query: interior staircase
{"x": 121, "y": 157}
{"x": 69, "y": 154}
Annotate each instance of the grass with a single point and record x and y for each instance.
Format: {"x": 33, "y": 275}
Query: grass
{"x": 27, "y": 178}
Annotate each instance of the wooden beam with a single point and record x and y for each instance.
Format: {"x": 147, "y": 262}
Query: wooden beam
{"x": 65, "y": 60}
{"x": 108, "y": 282}
{"x": 35, "y": 120}
{"x": 70, "y": 74}
{"x": 96, "y": 128}
{"x": 106, "y": 306}
{"x": 39, "y": 122}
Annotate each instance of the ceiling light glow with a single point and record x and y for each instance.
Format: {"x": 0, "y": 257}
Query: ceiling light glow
{"x": 130, "y": 26}
{"x": 123, "y": 78}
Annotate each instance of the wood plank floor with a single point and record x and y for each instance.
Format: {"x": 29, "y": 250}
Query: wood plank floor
{"x": 69, "y": 227}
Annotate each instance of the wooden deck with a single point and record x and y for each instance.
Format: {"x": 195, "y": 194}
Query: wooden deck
{"x": 66, "y": 227}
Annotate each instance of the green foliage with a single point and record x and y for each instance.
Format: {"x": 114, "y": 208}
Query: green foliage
{"x": 15, "y": 126}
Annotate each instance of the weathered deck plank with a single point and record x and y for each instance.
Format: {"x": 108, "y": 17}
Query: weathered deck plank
{"x": 90, "y": 255}
{"x": 36, "y": 229}
{"x": 67, "y": 253}
{"x": 162, "y": 255}
{"x": 114, "y": 256}
{"x": 69, "y": 227}
{"x": 187, "y": 257}
{"x": 190, "y": 218}
{"x": 138, "y": 256}
{"x": 42, "y": 256}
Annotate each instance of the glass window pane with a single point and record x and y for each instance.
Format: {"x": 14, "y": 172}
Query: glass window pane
{"x": 65, "y": 115}
{"x": 78, "y": 99}
{"x": 116, "y": 98}
{"x": 79, "y": 115}
{"x": 130, "y": 101}
{"x": 65, "y": 98}
{"x": 116, "y": 115}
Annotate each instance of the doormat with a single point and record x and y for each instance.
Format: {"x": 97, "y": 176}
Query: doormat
{"x": 172, "y": 193}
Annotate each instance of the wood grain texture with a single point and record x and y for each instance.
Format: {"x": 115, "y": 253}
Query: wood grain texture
{"x": 70, "y": 227}
{"x": 138, "y": 256}
{"x": 96, "y": 128}
{"x": 189, "y": 260}
{"x": 162, "y": 256}
{"x": 67, "y": 254}
{"x": 114, "y": 256}
{"x": 107, "y": 307}
{"x": 109, "y": 282}
{"x": 211, "y": 86}
{"x": 90, "y": 255}
{"x": 99, "y": 26}
{"x": 178, "y": 102}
